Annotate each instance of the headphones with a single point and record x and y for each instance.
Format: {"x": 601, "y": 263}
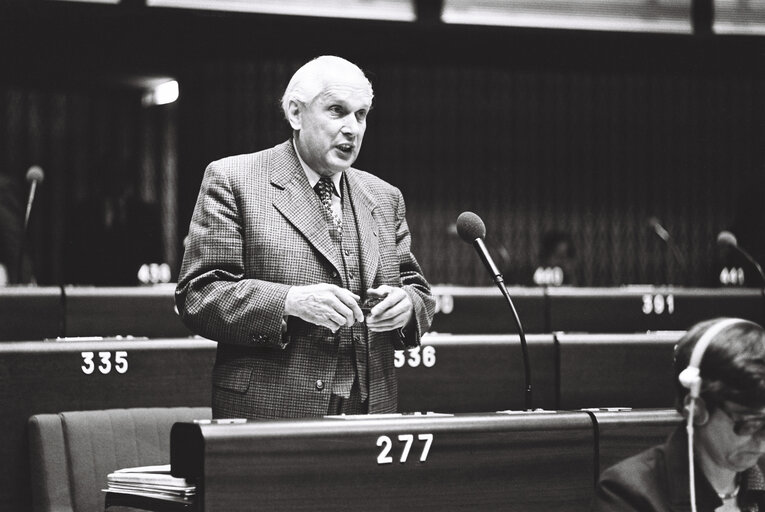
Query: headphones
{"x": 690, "y": 378}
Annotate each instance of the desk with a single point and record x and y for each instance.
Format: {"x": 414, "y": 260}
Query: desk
{"x": 648, "y": 308}
{"x": 521, "y": 461}
{"x": 475, "y": 373}
{"x": 137, "y": 311}
{"x": 623, "y": 434}
{"x": 498, "y": 461}
{"x": 49, "y": 377}
{"x": 484, "y": 310}
{"x": 616, "y": 370}
{"x": 30, "y": 312}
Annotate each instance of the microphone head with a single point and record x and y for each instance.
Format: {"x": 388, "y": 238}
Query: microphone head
{"x": 35, "y": 173}
{"x": 726, "y": 239}
{"x": 662, "y": 233}
{"x": 470, "y": 227}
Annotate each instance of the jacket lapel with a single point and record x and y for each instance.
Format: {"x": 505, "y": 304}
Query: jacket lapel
{"x": 364, "y": 205}
{"x": 299, "y": 203}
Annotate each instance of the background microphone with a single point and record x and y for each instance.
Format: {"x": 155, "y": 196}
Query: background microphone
{"x": 35, "y": 176}
{"x": 728, "y": 239}
{"x": 659, "y": 229}
{"x": 662, "y": 233}
{"x": 472, "y": 230}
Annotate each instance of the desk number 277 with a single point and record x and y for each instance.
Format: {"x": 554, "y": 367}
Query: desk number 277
{"x": 385, "y": 443}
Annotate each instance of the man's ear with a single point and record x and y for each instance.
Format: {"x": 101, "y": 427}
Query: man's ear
{"x": 294, "y": 114}
{"x": 700, "y": 411}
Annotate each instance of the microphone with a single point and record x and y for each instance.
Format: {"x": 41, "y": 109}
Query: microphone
{"x": 662, "y": 233}
{"x": 659, "y": 229}
{"x": 35, "y": 176}
{"x": 472, "y": 230}
{"x": 728, "y": 239}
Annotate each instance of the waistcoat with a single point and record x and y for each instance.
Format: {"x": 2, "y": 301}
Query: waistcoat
{"x": 352, "y": 348}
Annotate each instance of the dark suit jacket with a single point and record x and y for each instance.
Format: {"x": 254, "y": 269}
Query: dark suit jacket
{"x": 656, "y": 480}
{"x": 257, "y": 229}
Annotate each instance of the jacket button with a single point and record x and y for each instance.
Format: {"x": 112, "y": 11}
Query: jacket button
{"x": 319, "y": 384}
{"x": 334, "y": 273}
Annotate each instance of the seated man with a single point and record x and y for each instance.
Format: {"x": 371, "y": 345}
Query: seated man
{"x": 727, "y": 430}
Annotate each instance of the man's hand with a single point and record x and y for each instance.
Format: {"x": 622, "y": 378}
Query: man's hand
{"x": 393, "y": 312}
{"x": 324, "y": 304}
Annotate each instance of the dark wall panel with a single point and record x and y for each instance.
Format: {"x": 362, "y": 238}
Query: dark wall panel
{"x": 100, "y": 169}
{"x": 595, "y": 153}
{"x": 534, "y": 130}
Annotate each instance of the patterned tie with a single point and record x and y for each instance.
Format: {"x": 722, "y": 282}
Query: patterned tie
{"x": 324, "y": 188}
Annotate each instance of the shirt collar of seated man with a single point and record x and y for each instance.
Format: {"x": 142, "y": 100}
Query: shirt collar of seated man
{"x": 729, "y": 415}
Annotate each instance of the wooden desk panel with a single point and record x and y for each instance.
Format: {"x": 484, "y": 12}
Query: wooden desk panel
{"x": 49, "y": 377}
{"x": 475, "y": 373}
{"x": 125, "y": 311}
{"x": 647, "y": 308}
{"x": 521, "y": 461}
{"x": 617, "y": 370}
{"x": 483, "y": 310}
{"x": 622, "y": 434}
{"x": 30, "y": 313}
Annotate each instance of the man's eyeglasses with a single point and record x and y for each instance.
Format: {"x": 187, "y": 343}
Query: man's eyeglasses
{"x": 745, "y": 425}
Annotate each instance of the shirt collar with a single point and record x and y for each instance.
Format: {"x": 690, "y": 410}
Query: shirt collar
{"x": 314, "y": 177}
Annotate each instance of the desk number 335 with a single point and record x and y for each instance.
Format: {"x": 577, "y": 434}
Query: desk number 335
{"x": 104, "y": 362}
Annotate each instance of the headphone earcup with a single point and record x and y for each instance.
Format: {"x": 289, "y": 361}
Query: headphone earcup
{"x": 690, "y": 378}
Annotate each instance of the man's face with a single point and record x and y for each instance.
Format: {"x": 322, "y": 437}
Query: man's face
{"x": 728, "y": 449}
{"x": 331, "y": 127}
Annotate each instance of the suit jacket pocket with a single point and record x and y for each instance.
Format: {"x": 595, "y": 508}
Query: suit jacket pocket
{"x": 232, "y": 376}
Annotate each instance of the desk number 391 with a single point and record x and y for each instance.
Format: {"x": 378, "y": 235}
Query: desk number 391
{"x": 105, "y": 364}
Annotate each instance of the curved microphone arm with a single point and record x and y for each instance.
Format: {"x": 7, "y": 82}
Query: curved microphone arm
{"x": 500, "y": 282}
{"x": 524, "y": 346}
{"x": 757, "y": 266}
{"x": 753, "y": 261}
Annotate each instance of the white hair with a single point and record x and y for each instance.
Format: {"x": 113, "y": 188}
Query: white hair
{"x": 310, "y": 80}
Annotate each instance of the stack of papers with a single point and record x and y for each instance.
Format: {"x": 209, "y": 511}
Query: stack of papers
{"x": 151, "y": 482}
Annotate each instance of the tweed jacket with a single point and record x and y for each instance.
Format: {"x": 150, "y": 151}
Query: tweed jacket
{"x": 258, "y": 228}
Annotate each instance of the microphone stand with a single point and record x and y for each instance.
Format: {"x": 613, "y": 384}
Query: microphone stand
{"x": 759, "y": 271}
{"x": 524, "y": 346}
{"x": 500, "y": 282}
{"x": 748, "y": 257}
{"x": 680, "y": 260}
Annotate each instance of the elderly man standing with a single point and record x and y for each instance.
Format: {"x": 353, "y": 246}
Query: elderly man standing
{"x": 300, "y": 266}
